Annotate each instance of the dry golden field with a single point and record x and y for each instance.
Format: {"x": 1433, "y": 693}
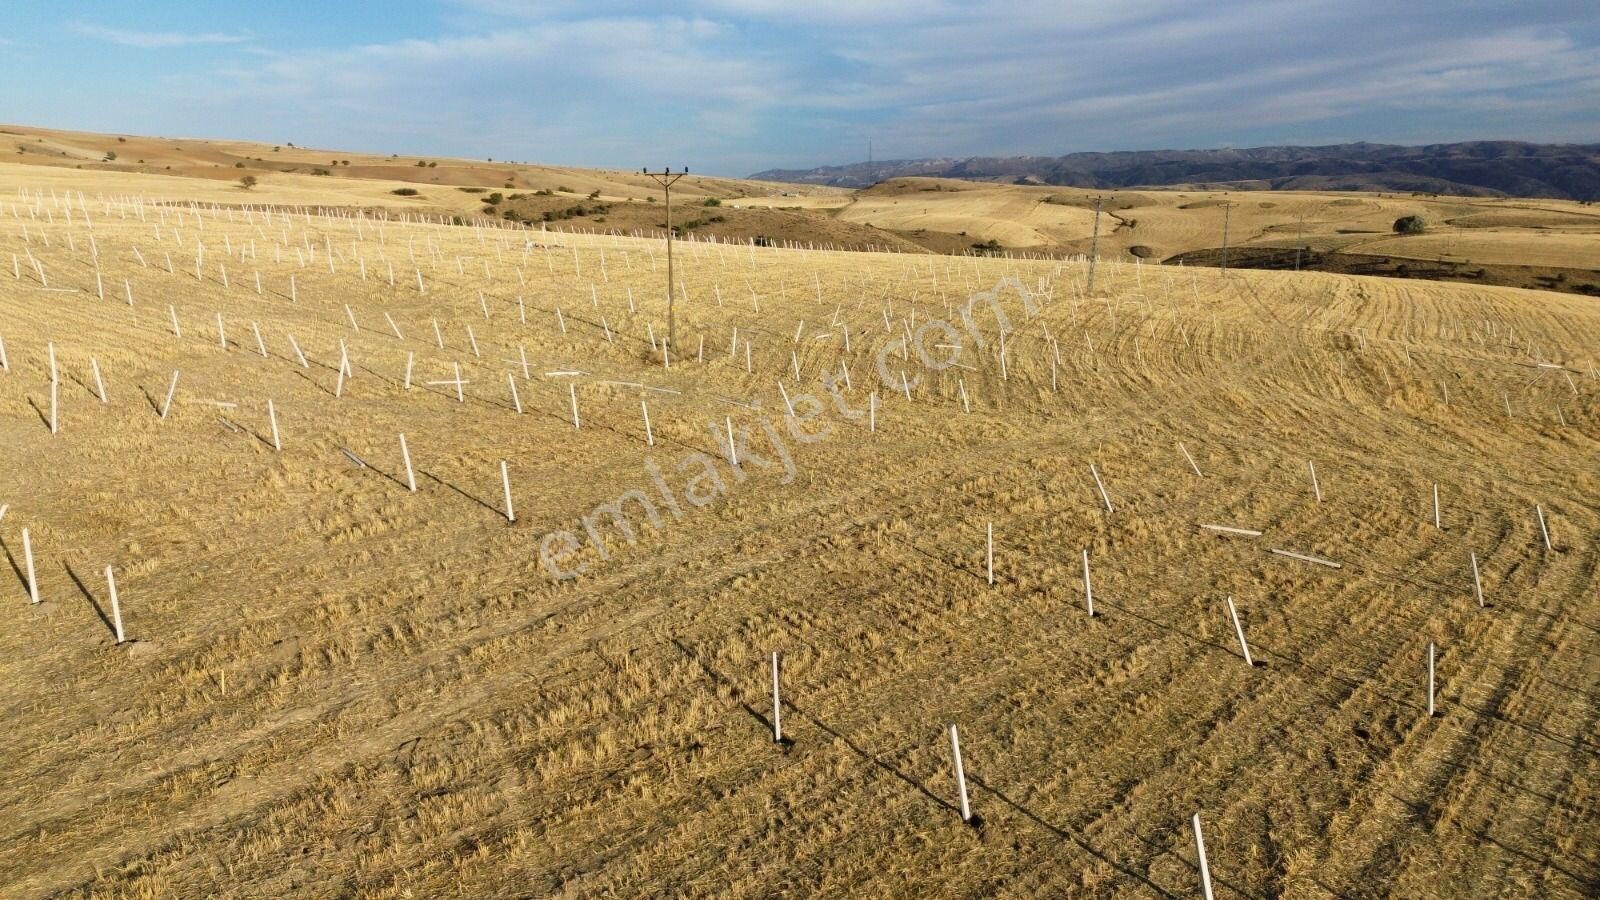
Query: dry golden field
{"x": 1167, "y": 222}
{"x": 333, "y": 685}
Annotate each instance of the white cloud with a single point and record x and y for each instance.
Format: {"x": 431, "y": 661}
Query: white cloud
{"x": 155, "y": 40}
{"x": 764, "y": 83}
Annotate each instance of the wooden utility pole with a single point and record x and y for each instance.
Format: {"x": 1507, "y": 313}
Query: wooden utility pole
{"x": 1299, "y": 242}
{"x": 1094, "y": 243}
{"x": 1227, "y": 213}
{"x": 667, "y": 178}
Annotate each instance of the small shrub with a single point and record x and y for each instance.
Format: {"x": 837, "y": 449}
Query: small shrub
{"x": 238, "y": 165}
{"x": 594, "y": 194}
{"x": 247, "y": 182}
{"x": 712, "y": 201}
{"x": 544, "y": 192}
{"x": 111, "y": 155}
{"x": 422, "y": 164}
{"x": 494, "y": 198}
{"x": 405, "y": 192}
{"x": 321, "y": 172}
{"x": 1410, "y": 225}
{"x": 564, "y": 189}
{"x": 433, "y": 165}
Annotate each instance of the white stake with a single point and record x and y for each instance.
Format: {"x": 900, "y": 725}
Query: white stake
{"x": 961, "y": 774}
{"x": 505, "y": 482}
{"x": 116, "y": 606}
{"x": 1200, "y": 851}
{"x": 411, "y": 358}
{"x": 261, "y": 346}
{"x": 1477, "y": 583}
{"x": 405, "y": 455}
{"x": 222, "y": 335}
{"x": 572, "y": 397}
{"x": 1099, "y": 484}
{"x": 1430, "y": 679}
{"x": 1088, "y": 586}
{"x": 1191, "y": 460}
{"x": 298, "y": 354}
{"x": 272, "y": 417}
{"x": 1238, "y": 629}
{"x": 1539, "y": 511}
{"x": 1436, "y": 523}
{"x": 511, "y": 380}
{"x": 27, "y": 561}
{"x": 777, "y": 706}
{"x": 872, "y": 412}
{"x": 649, "y": 436}
{"x": 171, "y": 389}
{"x": 1315, "y": 487}
{"x": 733, "y": 448}
{"x": 176, "y": 331}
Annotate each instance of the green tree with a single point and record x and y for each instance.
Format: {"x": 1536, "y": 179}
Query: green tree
{"x": 1410, "y": 225}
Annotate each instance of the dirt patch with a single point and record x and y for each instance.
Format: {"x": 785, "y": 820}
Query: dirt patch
{"x": 1540, "y": 278}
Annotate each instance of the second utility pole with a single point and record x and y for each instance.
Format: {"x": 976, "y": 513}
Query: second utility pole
{"x": 667, "y": 179}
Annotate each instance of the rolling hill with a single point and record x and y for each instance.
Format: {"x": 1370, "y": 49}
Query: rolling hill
{"x": 1476, "y": 168}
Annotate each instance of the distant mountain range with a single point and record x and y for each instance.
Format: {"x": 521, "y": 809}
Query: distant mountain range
{"x": 1475, "y": 168}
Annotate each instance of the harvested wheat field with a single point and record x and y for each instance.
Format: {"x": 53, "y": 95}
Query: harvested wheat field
{"x": 526, "y": 649}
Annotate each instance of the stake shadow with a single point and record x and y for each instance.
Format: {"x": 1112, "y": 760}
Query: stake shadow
{"x": 156, "y": 407}
{"x": 481, "y": 502}
{"x": 1067, "y": 835}
{"x": 12, "y": 561}
{"x": 43, "y": 416}
{"x": 1589, "y": 885}
{"x": 314, "y": 383}
{"x": 858, "y": 750}
{"x": 383, "y": 474}
{"x": 724, "y": 681}
{"x": 93, "y": 603}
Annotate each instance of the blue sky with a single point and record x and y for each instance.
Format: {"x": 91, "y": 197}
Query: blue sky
{"x": 733, "y": 86}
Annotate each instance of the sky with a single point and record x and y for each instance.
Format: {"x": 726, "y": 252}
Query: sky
{"x": 730, "y": 87}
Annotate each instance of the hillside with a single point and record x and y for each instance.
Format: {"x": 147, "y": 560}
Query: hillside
{"x": 357, "y": 555}
{"x": 1544, "y": 244}
{"x": 1477, "y": 168}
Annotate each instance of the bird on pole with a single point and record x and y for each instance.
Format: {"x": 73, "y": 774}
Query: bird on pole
{"x": 667, "y": 178}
